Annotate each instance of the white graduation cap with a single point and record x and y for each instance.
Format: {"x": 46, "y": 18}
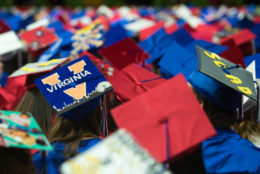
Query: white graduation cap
{"x": 9, "y": 42}
{"x": 139, "y": 25}
{"x": 38, "y": 23}
{"x": 118, "y": 153}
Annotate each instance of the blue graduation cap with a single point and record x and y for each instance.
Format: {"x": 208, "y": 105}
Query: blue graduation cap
{"x": 256, "y": 58}
{"x": 256, "y": 30}
{"x": 182, "y": 37}
{"x": 156, "y": 45}
{"x": 207, "y": 45}
{"x": 233, "y": 20}
{"x": 177, "y": 60}
{"x": 180, "y": 22}
{"x": 14, "y": 22}
{"x": 115, "y": 34}
{"x": 74, "y": 88}
{"x": 78, "y": 14}
{"x": 57, "y": 25}
{"x": 229, "y": 153}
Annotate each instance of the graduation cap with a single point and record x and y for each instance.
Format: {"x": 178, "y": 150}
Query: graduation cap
{"x": 243, "y": 40}
{"x": 156, "y": 45}
{"x": 225, "y": 72}
{"x": 134, "y": 80}
{"x": 256, "y": 30}
{"x": 51, "y": 52}
{"x": 20, "y": 130}
{"x": 69, "y": 88}
{"x": 124, "y": 52}
{"x": 9, "y": 42}
{"x": 88, "y": 39}
{"x": 3, "y": 27}
{"x": 39, "y": 37}
{"x": 177, "y": 60}
{"x": 139, "y": 24}
{"x": 182, "y": 37}
{"x": 233, "y": 53}
{"x": 107, "y": 159}
{"x": 171, "y": 113}
{"x": 147, "y": 32}
{"x": 216, "y": 48}
{"x": 36, "y": 70}
{"x": 115, "y": 34}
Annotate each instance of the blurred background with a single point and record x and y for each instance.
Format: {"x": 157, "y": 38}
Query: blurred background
{"x": 76, "y": 3}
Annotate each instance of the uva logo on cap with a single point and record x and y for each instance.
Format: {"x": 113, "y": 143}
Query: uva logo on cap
{"x": 73, "y": 84}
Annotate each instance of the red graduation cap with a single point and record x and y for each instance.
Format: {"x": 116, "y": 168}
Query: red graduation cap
{"x": 243, "y": 40}
{"x": 167, "y": 120}
{"x": 124, "y": 52}
{"x": 107, "y": 70}
{"x": 134, "y": 80}
{"x": 147, "y": 32}
{"x": 3, "y": 27}
{"x": 171, "y": 29}
{"x": 38, "y": 38}
{"x": 233, "y": 53}
{"x": 205, "y": 32}
{"x": 12, "y": 93}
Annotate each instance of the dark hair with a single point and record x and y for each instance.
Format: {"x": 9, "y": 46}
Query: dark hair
{"x": 35, "y": 103}
{"x": 16, "y": 161}
{"x": 218, "y": 116}
{"x": 71, "y": 132}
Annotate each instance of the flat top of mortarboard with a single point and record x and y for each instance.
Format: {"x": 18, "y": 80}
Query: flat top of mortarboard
{"x": 73, "y": 85}
{"x": 20, "y": 130}
{"x": 226, "y": 72}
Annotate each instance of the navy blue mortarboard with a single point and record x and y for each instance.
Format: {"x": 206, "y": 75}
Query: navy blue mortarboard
{"x": 156, "y": 45}
{"x": 207, "y": 45}
{"x": 182, "y": 37}
{"x": 74, "y": 90}
{"x": 246, "y": 23}
{"x": 177, "y": 60}
{"x": 115, "y": 34}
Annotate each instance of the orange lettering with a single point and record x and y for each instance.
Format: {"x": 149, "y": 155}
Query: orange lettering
{"x": 77, "y": 67}
{"x": 52, "y": 79}
{"x": 78, "y": 92}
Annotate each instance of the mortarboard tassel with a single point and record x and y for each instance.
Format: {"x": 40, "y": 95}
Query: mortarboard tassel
{"x": 104, "y": 116}
{"x": 167, "y": 164}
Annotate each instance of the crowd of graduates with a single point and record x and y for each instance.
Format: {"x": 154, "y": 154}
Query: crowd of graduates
{"x": 130, "y": 90}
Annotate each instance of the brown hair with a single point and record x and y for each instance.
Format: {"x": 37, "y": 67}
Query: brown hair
{"x": 72, "y": 132}
{"x": 35, "y": 103}
{"x": 16, "y": 161}
{"x": 218, "y": 116}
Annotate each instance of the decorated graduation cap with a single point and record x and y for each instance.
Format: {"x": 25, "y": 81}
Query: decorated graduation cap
{"x": 87, "y": 39}
{"x": 177, "y": 60}
{"x": 124, "y": 52}
{"x": 156, "y": 45}
{"x": 223, "y": 80}
{"x": 9, "y": 42}
{"x": 118, "y": 153}
{"x": 39, "y": 37}
{"x": 20, "y": 130}
{"x": 171, "y": 113}
{"x": 36, "y": 70}
{"x": 134, "y": 80}
{"x": 69, "y": 88}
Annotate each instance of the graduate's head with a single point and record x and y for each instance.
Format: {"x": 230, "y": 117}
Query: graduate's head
{"x": 218, "y": 101}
